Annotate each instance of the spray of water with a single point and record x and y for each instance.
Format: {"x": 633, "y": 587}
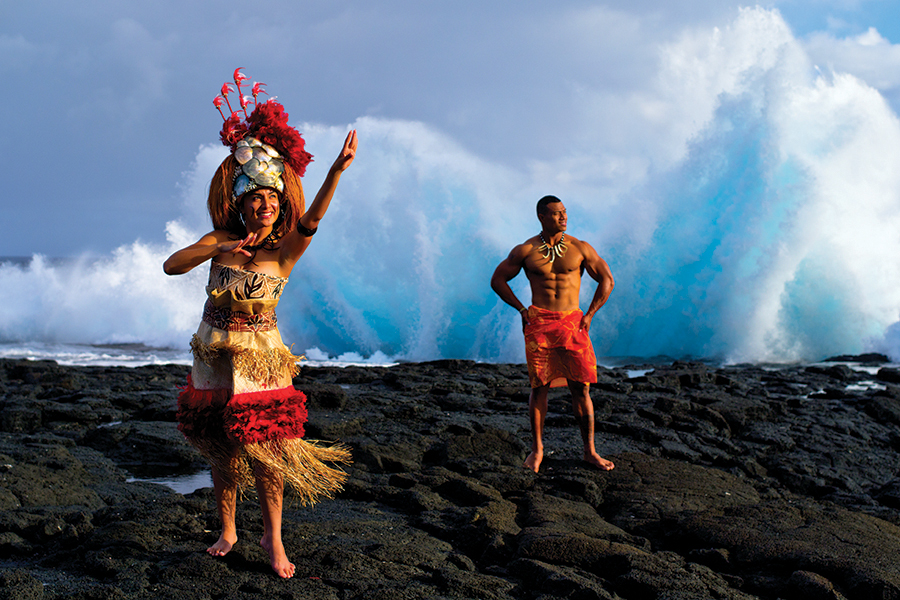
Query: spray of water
{"x": 762, "y": 227}
{"x": 775, "y": 236}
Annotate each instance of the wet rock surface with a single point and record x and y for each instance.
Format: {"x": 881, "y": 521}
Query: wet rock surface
{"x": 733, "y": 482}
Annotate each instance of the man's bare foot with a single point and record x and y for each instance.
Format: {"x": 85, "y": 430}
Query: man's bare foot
{"x": 533, "y": 461}
{"x": 278, "y": 558}
{"x": 222, "y": 547}
{"x": 599, "y": 462}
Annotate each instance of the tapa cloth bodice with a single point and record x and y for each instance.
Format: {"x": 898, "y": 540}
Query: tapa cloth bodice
{"x": 240, "y": 291}
{"x": 239, "y": 325}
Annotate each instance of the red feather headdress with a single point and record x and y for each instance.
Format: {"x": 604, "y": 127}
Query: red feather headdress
{"x": 268, "y": 123}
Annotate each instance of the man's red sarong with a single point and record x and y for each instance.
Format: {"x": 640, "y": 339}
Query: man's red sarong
{"x": 557, "y": 350}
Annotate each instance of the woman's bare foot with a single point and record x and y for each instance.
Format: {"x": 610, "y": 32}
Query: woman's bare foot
{"x": 223, "y": 546}
{"x": 599, "y": 462}
{"x": 533, "y": 461}
{"x": 278, "y": 558}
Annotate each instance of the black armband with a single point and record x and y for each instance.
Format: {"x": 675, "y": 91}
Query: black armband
{"x": 306, "y": 231}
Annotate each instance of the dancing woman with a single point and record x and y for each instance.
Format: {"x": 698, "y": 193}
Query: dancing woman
{"x": 239, "y": 408}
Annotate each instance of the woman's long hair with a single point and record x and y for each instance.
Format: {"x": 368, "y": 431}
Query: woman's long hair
{"x": 226, "y": 213}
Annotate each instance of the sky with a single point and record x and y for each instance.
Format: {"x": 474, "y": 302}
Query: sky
{"x": 108, "y": 103}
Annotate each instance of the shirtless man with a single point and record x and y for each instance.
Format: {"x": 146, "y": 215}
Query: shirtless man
{"x": 557, "y": 345}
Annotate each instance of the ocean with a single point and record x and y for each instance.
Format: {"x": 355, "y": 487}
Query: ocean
{"x": 769, "y": 235}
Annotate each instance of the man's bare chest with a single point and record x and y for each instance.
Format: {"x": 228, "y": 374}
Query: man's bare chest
{"x": 539, "y": 264}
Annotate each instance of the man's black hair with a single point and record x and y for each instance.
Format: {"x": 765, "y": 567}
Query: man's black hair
{"x": 543, "y": 202}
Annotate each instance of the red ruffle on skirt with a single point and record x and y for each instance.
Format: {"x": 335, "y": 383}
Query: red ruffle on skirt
{"x": 242, "y": 418}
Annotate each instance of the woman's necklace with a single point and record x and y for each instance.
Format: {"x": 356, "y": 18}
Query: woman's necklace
{"x": 268, "y": 242}
{"x": 559, "y": 249}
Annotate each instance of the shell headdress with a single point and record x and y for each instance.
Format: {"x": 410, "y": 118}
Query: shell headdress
{"x": 262, "y": 142}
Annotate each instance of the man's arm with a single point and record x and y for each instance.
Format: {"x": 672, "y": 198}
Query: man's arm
{"x": 505, "y": 272}
{"x": 599, "y": 271}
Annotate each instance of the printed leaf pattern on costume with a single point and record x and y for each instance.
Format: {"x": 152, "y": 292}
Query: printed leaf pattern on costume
{"x": 243, "y": 284}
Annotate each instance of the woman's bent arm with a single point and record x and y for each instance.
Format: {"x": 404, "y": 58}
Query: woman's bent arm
{"x": 209, "y": 246}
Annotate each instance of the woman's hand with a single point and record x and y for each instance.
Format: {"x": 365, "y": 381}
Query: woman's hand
{"x": 348, "y": 153}
{"x": 237, "y": 247}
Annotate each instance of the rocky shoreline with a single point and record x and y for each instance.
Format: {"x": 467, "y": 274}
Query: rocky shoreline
{"x": 731, "y": 482}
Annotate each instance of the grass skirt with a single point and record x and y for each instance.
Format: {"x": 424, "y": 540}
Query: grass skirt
{"x": 241, "y": 419}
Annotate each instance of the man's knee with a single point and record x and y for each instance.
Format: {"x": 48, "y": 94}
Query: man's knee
{"x": 579, "y": 390}
{"x": 540, "y": 394}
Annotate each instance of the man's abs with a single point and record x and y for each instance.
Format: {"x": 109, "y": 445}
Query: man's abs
{"x": 556, "y": 292}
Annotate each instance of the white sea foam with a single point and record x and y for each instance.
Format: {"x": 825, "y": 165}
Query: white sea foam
{"x": 761, "y": 227}
{"x": 776, "y": 235}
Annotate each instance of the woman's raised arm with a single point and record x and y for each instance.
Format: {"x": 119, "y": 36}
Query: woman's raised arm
{"x": 297, "y": 241}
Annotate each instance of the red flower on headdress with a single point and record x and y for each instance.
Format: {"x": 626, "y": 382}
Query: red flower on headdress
{"x": 239, "y": 77}
{"x": 227, "y": 89}
{"x": 233, "y": 130}
{"x": 217, "y": 102}
{"x": 257, "y": 90}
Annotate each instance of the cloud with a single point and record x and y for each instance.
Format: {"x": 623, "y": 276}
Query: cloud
{"x": 868, "y": 56}
{"x": 533, "y": 86}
